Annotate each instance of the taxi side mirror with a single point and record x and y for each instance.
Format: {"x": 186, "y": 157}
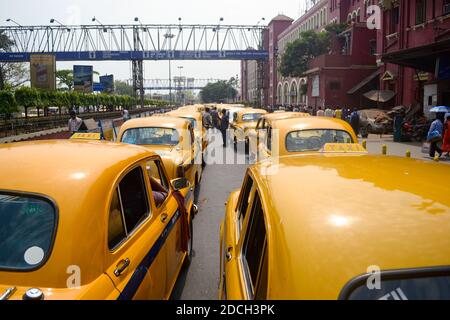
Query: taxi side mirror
{"x": 180, "y": 183}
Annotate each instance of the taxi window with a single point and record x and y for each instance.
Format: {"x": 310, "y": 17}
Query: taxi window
{"x": 314, "y": 140}
{"x": 405, "y": 287}
{"x": 27, "y": 231}
{"x": 158, "y": 182}
{"x": 255, "y": 244}
{"x": 244, "y": 200}
{"x": 251, "y": 116}
{"x": 151, "y": 136}
{"x": 193, "y": 122}
{"x": 133, "y": 195}
{"x": 116, "y": 227}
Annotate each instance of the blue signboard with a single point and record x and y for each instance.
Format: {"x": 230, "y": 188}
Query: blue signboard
{"x": 108, "y": 83}
{"x": 144, "y": 55}
{"x": 83, "y": 78}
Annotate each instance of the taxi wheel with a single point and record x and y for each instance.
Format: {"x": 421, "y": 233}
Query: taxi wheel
{"x": 190, "y": 250}
{"x": 247, "y": 146}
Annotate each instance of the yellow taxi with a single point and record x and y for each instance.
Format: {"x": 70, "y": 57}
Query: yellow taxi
{"x": 299, "y": 135}
{"x": 196, "y": 119}
{"x": 257, "y": 135}
{"x": 90, "y": 220}
{"x": 243, "y": 121}
{"x": 338, "y": 226}
{"x": 172, "y": 138}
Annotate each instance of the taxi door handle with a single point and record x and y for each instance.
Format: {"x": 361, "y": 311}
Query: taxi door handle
{"x": 121, "y": 267}
{"x": 164, "y": 217}
{"x": 228, "y": 255}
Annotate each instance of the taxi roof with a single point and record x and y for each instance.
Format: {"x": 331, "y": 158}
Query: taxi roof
{"x": 78, "y": 176}
{"x": 284, "y": 115}
{"x": 241, "y": 111}
{"x": 336, "y": 215}
{"x": 162, "y": 121}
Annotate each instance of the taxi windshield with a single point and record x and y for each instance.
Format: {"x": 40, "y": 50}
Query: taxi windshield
{"x": 27, "y": 228}
{"x": 151, "y": 136}
{"x": 411, "y": 288}
{"x": 314, "y": 140}
{"x": 251, "y": 116}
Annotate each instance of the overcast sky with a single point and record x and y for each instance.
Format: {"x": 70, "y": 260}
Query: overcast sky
{"x": 38, "y": 12}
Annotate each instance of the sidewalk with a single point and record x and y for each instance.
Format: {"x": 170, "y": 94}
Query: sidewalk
{"x": 375, "y": 143}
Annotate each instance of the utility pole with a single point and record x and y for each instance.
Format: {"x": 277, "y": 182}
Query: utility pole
{"x": 138, "y": 69}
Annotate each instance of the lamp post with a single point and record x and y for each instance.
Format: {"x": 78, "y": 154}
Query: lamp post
{"x": 180, "y": 68}
{"x": 11, "y": 20}
{"x": 94, "y": 19}
{"x": 170, "y": 36}
{"x": 62, "y": 25}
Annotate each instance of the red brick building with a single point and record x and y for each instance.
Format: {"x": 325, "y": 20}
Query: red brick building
{"x": 414, "y": 47}
{"x": 250, "y": 74}
{"x": 342, "y": 77}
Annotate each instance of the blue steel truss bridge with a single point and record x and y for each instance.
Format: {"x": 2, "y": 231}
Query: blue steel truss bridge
{"x": 137, "y": 43}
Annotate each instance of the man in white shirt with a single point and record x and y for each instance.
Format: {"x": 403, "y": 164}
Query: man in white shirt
{"x": 329, "y": 113}
{"x": 320, "y": 112}
{"x": 74, "y": 122}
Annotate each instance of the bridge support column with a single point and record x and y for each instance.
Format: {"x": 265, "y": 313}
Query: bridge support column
{"x": 138, "y": 81}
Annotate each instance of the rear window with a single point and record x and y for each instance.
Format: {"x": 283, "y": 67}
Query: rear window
{"x": 404, "y": 287}
{"x": 314, "y": 140}
{"x": 27, "y": 230}
{"x": 251, "y": 116}
{"x": 151, "y": 136}
{"x": 192, "y": 121}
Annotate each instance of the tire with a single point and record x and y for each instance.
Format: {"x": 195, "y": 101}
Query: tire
{"x": 235, "y": 144}
{"x": 190, "y": 251}
{"x": 247, "y": 147}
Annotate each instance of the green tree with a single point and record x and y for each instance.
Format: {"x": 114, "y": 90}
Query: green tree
{"x": 8, "y": 104}
{"x": 123, "y": 88}
{"x": 311, "y": 44}
{"x": 27, "y": 98}
{"x": 12, "y": 75}
{"x": 65, "y": 78}
{"x": 220, "y": 91}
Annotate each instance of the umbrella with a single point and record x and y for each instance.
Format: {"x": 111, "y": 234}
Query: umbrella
{"x": 439, "y": 109}
{"x": 380, "y": 95}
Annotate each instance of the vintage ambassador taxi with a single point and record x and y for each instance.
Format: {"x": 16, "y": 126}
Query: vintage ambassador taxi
{"x": 196, "y": 119}
{"x": 266, "y": 121}
{"x": 91, "y": 220}
{"x": 172, "y": 138}
{"x": 244, "y": 120}
{"x": 289, "y": 136}
{"x": 338, "y": 225}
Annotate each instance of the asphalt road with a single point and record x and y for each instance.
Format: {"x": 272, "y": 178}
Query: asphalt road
{"x": 201, "y": 279}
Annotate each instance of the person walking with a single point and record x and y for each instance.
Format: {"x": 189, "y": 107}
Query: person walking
{"x": 435, "y": 134}
{"x": 125, "y": 115}
{"x": 329, "y": 112}
{"x": 206, "y": 119}
{"x": 320, "y": 112}
{"x": 224, "y": 124}
{"x": 354, "y": 121}
{"x": 446, "y": 140}
{"x": 215, "y": 118}
{"x": 74, "y": 123}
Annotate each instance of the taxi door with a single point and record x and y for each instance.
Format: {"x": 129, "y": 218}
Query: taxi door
{"x": 234, "y": 287}
{"x": 136, "y": 254}
{"x": 191, "y": 166}
{"x": 170, "y": 217}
